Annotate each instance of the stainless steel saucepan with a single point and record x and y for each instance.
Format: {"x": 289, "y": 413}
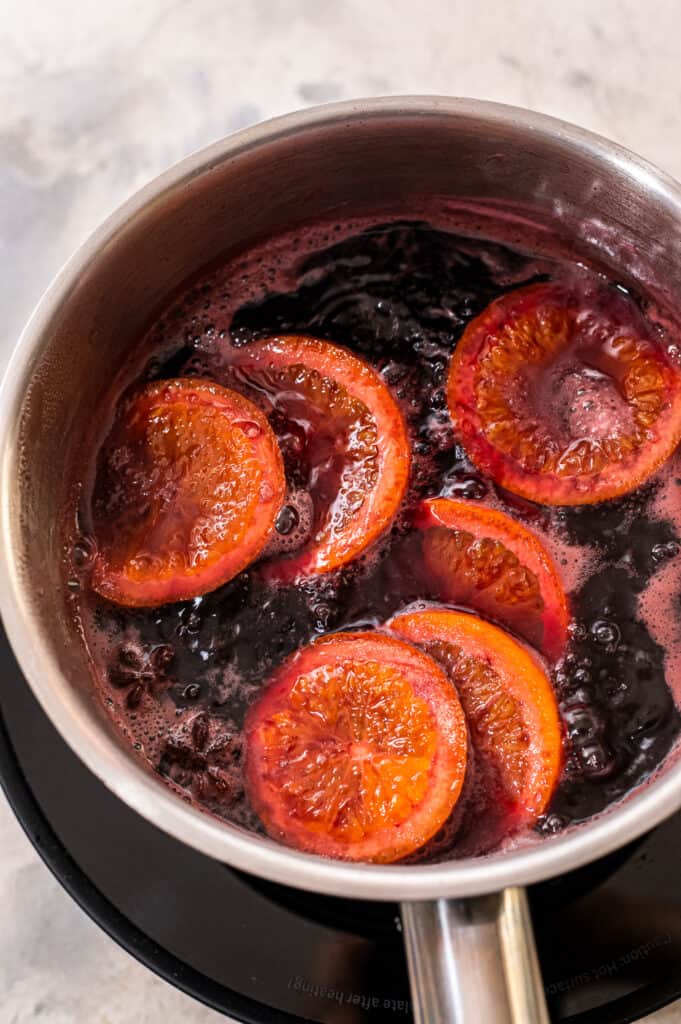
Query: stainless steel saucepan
{"x": 466, "y": 924}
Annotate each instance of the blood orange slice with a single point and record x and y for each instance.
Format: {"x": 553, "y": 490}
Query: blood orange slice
{"x": 343, "y": 437}
{"x": 357, "y": 749}
{"x": 563, "y": 398}
{"x": 189, "y": 483}
{"x": 486, "y": 559}
{"x": 509, "y": 705}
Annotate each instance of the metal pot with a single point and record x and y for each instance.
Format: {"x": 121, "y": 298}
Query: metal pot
{"x": 467, "y": 929}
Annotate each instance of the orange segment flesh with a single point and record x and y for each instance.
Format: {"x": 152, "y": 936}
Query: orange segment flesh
{"x": 509, "y": 705}
{"x": 357, "y": 749}
{"x": 564, "y": 403}
{"x": 484, "y": 558}
{"x": 189, "y": 483}
{"x": 350, "y": 434}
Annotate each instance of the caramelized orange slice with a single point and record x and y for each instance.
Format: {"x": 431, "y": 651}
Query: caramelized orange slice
{"x": 357, "y": 749}
{"x": 344, "y": 437}
{"x": 483, "y": 558}
{"x": 189, "y": 483}
{"x": 562, "y": 399}
{"x": 509, "y": 705}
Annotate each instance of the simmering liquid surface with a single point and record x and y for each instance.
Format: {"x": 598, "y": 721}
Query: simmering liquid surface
{"x": 177, "y": 680}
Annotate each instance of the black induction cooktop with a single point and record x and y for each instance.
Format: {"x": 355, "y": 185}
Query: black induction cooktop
{"x": 609, "y": 935}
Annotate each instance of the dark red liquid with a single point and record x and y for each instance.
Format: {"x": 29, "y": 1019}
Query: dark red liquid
{"x": 179, "y": 679}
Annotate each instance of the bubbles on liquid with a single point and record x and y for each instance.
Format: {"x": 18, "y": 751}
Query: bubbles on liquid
{"x": 597, "y": 760}
{"x": 84, "y": 552}
{"x": 394, "y": 373}
{"x": 582, "y": 723}
{"x": 580, "y": 695}
{"x": 464, "y": 485}
{"x": 577, "y": 631}
{"x": 293, "y": 527}
{"x": 585, "y": 728}
{"x": 323, "y": 614}
{"x": 606, "y": 634}
{"x": 662, "y": 552}
{"x": 589, "y": 752}
{"x": 192, "y": 622}
{"x": 287, "y": 520}
{"x": 581, "y": 675}
{"x": 550, "y": 824}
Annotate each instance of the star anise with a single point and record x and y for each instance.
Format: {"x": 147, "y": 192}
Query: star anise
{"x": 141, "y": 669}
{"x": 204, "y": 756}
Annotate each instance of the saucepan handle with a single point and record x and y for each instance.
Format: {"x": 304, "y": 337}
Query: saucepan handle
{"x": 474, "y": 960}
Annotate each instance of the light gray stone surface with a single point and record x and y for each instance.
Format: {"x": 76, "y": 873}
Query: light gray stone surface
{"x": 96, "y": 98}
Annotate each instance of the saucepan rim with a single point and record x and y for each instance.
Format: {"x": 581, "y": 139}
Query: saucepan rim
{"x": 99, "y": 750}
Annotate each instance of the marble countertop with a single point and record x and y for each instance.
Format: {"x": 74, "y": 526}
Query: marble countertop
{"x": 98, "y": 98}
